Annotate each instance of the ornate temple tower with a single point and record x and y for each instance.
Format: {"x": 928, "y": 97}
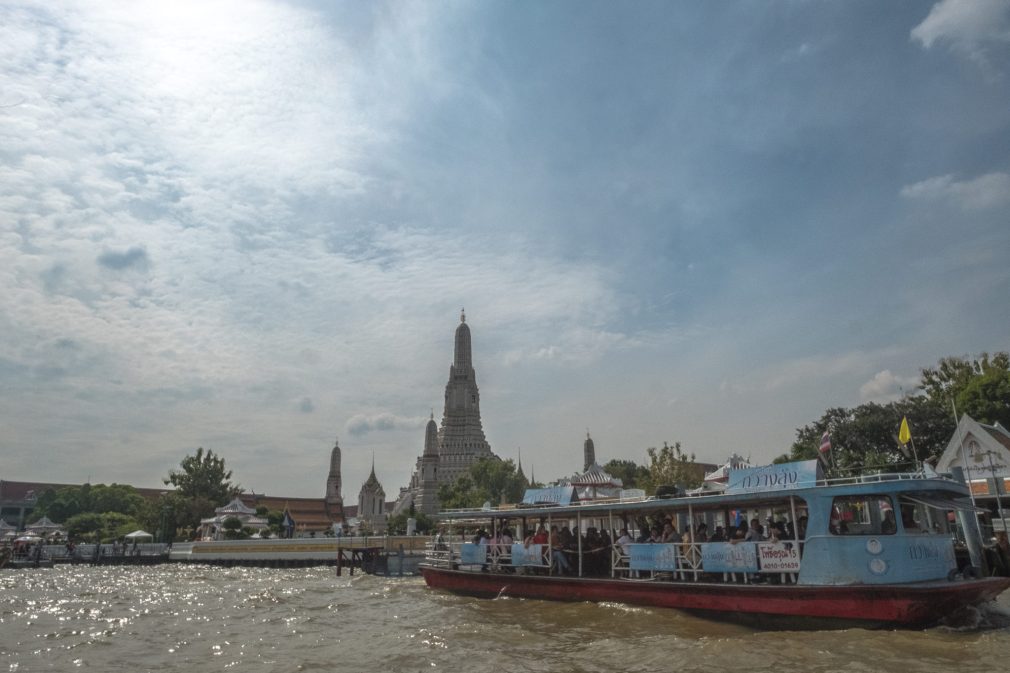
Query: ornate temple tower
{"x": 588, "y": 453}
{"x": 334, "y": 501}
{"x": 426, "y": 495}
{"x": 461, "y": 440}
{"x": 372, "y": 504}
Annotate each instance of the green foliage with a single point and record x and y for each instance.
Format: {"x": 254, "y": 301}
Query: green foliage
{"x": 99, "y": 527}
{"x": 986, "y": 398}
{"x": 671, "y": 465}
{"x": 176, "y": 516}
{"x": 397, "y": 524}
{"x": 204, "y": 476}
{"x": 70, "y": 501}
{"x": 488, "y": 480}
{"x": 233, "y": 529}
{"x": 631, "y": 474}
{"x": 201, "y": 484}
{"x": 866, "y": 436}
{"x": 460, "y": 494}
{"x": 953, "y": 374}
{"x": 275, "y": 518}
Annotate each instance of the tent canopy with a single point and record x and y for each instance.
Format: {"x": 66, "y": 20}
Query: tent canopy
{"x": 137, "y": 534}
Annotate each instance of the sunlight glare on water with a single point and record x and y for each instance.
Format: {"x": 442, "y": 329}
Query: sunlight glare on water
{"x": 198, "y": 618}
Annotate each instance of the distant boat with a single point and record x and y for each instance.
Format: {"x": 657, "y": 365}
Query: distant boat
{"x": 835, "y": 553}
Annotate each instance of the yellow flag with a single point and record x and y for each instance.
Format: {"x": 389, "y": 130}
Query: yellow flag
{"x": 904, "y": 435}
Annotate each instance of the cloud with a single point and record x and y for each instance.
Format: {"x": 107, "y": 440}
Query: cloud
{"x": 886, "y": 386}
{"x": 135, "y": 257}
{"x": 362, "y": 424}
{"x": 984, "y": 192}
{"x": 968, "y": 26}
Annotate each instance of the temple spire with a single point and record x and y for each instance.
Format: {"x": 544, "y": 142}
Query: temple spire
{"x": 462, "y": 361}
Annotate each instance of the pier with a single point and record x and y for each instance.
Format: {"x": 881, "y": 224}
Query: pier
{"x": 381, "y": 555}
{"x": 392, "y": 555}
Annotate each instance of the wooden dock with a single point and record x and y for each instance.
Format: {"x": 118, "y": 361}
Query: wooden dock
{"x": 396, "y": 555}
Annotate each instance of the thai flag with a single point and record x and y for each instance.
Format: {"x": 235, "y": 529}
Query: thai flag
{"x": 825, "y": 447}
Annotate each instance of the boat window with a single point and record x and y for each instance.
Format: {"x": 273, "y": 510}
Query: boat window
{"x": 862, "y": 515}
{"x": 915, "y": 517}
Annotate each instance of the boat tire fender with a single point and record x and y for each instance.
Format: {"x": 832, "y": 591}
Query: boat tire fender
{"x": 952, "y": 575}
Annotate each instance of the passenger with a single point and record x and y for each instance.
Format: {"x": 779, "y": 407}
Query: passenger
{"x": 739, "y": 536}
{"x": 801, "y": 528}
{"x": 888, "y": 525}
{"x": 908, "y": 521}
{"x": 670, "y": 533}
{"x": 656, "y": 536}
{"x": 595, "y": 552}
{"x": 623, "y": 540}
{"x": 1002, "y": 551}
{"x": 701, "y": 533}
{"x": 754, "y": 532}
{"x": 719, "y": 535}
{"x": 690, "y": 552}
{"x": 606, "y": 559}
{"x": 561, "y": 565}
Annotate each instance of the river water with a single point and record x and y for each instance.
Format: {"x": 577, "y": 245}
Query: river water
{"x": 198, "y": 618}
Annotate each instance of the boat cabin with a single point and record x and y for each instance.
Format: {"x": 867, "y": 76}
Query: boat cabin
{"x": 778, "y": 524}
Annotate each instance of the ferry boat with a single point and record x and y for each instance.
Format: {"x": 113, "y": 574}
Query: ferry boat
{"x": 874, "y": 550}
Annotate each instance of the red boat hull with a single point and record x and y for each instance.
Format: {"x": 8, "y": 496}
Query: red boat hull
{"x": 917, "y": 604}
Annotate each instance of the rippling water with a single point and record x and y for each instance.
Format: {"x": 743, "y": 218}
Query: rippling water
{"x": 197, "y": 618}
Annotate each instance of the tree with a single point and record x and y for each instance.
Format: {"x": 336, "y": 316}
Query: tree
{"x": 60, "y": 505}
{"x": 986, "y": 398}
{"x": 671, "y": 465}
{"x": 631, "y": 474}
{"x": 233, "y": 529}
{"x": 488, "y": 480}
{"x": 866, "y": 437}
{"x": 204, "y": 476}
{"x": 460, "y": 494}
{"x": 95, "y": 527}
{"x": 397, "y": 524}
{"x": 953, "y": 374}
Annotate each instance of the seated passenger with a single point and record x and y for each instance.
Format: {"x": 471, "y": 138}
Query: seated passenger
{"x": 670, "y": 533}
{"x": 701, "y": 533}
{"x": 888, "y": 525}
{"x": 719, "y": 535}
{"x": 624, "y": 539}
{"x": 908, "y": 521}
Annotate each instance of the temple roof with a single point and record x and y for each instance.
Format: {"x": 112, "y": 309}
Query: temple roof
{"x": 596, "y": 476}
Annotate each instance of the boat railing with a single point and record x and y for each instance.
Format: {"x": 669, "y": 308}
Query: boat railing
{"x": 653, "y": 561}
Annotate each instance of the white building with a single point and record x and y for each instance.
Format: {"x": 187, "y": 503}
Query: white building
{"x": 983, "y": 452}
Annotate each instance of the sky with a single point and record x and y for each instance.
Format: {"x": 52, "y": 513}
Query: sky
{"x": 251, "y": 226}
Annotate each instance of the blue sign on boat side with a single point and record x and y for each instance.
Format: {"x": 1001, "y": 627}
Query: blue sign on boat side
{"x": 527, "y": 556}
{"x": 803, "y": 474}
{"x": 473, "y": 554}
{"x": 726, "y": 557}
{"x": 652, "y": 556}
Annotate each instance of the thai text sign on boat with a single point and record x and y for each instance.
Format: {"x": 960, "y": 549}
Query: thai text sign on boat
{"x": 726, "y": 557}
{"x": 652, "y": 557}
{"x": 803, "y": 474}
{"x": 779, "y": 557}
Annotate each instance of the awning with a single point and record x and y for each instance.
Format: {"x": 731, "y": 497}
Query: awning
{"x": 939, "y": 502}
